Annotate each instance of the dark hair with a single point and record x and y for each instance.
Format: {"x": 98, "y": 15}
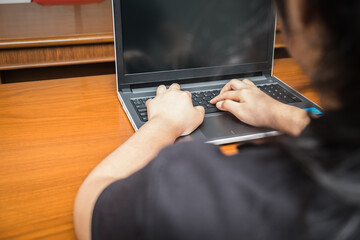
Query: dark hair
{"x": 331, "y": 153}
{"x": 337, "y": 69}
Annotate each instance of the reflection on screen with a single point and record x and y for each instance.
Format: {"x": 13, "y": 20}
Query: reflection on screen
{"x": 162, "y": 35}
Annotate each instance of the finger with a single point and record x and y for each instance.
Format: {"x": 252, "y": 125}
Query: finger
{"x": 247, "y": 81}
{"x": 200, "y": 109}
{"x": 229, "y": 86}
{"x": 230, "y": 95}
{"x": 188, "y": 93}
{"x": 174, "y": 86}
{"x": 234, "y": 84}
{"x": 229, "y": 106}
{"x": 148, "y": 102}
{"x": 160, "y": 90}
{"x": 234, "y": 108}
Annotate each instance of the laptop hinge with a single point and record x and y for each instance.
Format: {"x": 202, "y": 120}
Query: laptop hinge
{"x": 267, "y": 73}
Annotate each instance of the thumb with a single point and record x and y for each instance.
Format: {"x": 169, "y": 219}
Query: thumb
{"x": 201, "y": 113}
{"x": 200, "y": 110}
{"x": 228, "y": 105}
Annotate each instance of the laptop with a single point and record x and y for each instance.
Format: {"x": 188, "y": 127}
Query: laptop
{"x": 201, "y": 45}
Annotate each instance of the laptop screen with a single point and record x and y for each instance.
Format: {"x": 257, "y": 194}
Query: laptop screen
{"x": 179, "y": 39}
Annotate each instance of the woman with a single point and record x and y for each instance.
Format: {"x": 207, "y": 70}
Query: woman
{"x": 306, "y": 186}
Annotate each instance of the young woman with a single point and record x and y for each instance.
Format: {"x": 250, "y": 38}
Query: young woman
{"x": 304, "y": 186}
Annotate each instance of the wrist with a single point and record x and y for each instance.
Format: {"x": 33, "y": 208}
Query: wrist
{"x": 278, "y": 116}
{"x": 166, "y": 128}
{"x": 289, "y": 119}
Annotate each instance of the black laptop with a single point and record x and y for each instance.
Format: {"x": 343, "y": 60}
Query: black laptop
{"x": 200, "y": 44}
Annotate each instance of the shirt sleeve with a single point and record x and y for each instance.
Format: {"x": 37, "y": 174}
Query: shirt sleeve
{"x": 118, "y": 211}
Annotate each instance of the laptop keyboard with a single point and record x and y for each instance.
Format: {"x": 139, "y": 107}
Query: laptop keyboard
{"x": 202, "y": 98}
{"x": 198, "y": 98}
{"x": 279, "y": 93}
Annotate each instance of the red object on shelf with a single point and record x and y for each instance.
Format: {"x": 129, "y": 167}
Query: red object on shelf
{"x": 65, "y": 2}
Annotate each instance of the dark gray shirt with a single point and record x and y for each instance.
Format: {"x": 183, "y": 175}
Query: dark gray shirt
{"x": 192, "y": 191}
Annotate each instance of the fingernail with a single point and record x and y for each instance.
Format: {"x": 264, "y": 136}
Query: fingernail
{"x": 219, "y": 104}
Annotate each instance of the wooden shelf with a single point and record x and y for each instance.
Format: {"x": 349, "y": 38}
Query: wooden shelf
{"x": 11, "y": 59}
{"x": 35, "y": 23}
{"x": 57, "y": 41}
{"x": 35, "y": 36}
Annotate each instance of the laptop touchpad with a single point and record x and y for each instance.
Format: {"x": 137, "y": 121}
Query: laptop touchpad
{"x": 225, "y": 125}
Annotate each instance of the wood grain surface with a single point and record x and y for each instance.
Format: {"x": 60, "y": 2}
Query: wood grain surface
{"x": 33, "y": 36}
{"x": 11, "y": 59}
{"x": 52, "y": 133}
{"x": 31, "y": 25}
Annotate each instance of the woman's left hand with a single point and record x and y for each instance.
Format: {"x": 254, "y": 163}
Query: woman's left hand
{"x": 175, "y": 109}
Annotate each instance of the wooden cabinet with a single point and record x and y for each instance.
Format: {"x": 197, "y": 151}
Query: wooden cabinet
{"x": 35, "y": 36}
{"x": 39, "y": 37}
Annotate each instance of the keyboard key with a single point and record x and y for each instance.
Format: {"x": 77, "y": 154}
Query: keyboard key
{"x": 295, "y": 99}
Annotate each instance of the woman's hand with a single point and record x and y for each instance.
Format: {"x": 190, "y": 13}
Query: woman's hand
{"x": 175, "y": 109}
{"x": 247, "y": 102}
{"x": 252, "y": 106}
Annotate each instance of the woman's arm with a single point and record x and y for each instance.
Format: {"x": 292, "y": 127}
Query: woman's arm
{"x": 171, "y": 114}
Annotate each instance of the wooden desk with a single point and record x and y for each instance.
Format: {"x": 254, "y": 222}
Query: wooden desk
{"x": 52, "y": 133}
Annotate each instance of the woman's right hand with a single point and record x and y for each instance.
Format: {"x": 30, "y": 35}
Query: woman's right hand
{"x": 254, "y": 107}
